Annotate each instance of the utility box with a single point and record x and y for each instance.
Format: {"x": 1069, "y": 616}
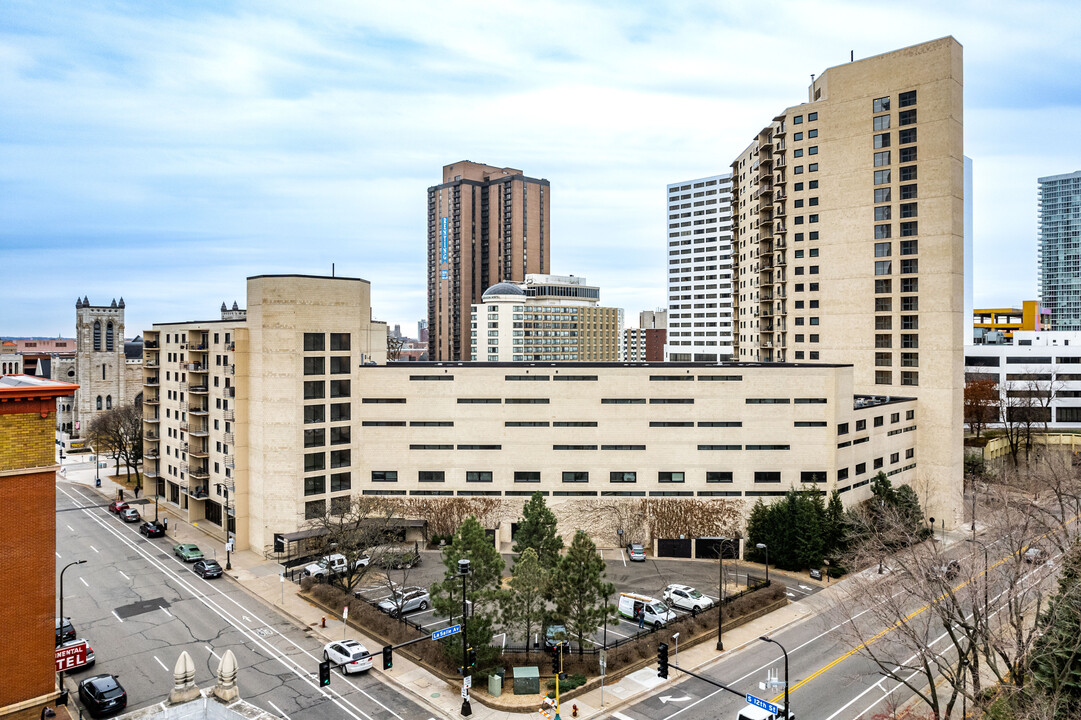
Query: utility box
{"x": 495, "y": 685}
{"x": 527, "y": 680}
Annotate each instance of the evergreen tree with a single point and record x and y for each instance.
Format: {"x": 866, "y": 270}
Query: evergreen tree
{"x": 759, "y": 530}
{"x": 537, "y": 530}
{"x": 483, "y": 589}
{"x": 910, "y": 512}
{"x": 524, "y": 605}
{"x": 834, "y": 526}
{"x": 579, "y": 590}
{"x": 1056, "y": 654}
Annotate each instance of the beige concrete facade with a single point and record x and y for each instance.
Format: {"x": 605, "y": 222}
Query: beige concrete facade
{"x": 485, "y": 225}
{"x": 228, "y": 417}
{"x": 849, "y": 228}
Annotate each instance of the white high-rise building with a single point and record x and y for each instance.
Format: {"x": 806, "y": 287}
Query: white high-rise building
{"x": 700, "y": 270}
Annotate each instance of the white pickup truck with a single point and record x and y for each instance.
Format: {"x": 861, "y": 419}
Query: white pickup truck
{"x": 332, "y": 565}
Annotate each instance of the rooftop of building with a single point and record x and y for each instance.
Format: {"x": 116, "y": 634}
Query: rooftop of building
{"x": 654, "y": 365}
{"x": 1064, "y": 176}
{"x": 503, "y": 288}
{"x": 26, "y": 387}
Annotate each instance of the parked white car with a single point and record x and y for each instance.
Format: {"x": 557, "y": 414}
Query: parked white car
{"x": 406, "y": 600}
{"x": 350, "y": 655}
{"x": 687, "y": 598}
{"x": 331, "y": 565}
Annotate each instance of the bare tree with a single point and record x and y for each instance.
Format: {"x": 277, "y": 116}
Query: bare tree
{"x": 350, "y": 529}
{"x": 119, "y": 434}
{"x": 445, "y": 515}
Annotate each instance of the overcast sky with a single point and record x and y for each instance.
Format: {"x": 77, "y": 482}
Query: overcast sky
{"x": 163, "y": 152}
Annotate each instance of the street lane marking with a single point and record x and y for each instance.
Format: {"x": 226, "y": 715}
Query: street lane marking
{"x": 117, "y": 616}
{"x": 185, "y": 580}
{"x": 84, "y": 582}
{"x": 212, "y": 652}
{"x": 57, "y": 554}
{"x": 69, "y": 528}
{"x": 163, "y": 666}
{"x": 122, "y": 573}
{"x": 166, "y": 612}
{"x": 93, "y": 548}
{"x": 278, "y": 710}
{"x": 621, "y": 716}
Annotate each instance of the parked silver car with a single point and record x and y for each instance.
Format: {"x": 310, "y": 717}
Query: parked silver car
{"x": 406, "y": 600}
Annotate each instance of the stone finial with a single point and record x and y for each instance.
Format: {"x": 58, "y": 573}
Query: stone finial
{"x": 226, "y": 689}
{"x": 78, "y": 303}
{"x": 114, "y": 303}
{"x": 121, "y": 303}
{"x": 223, "y": 307}
{"x": 86, "y": 301}
{"x": 184, "y": 688}
{"x": 235, "y": 306}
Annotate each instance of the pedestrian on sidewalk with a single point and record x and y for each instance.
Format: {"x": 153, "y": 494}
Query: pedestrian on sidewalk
{"x": 641, "y": 617}
{"x": 137, "y": 488}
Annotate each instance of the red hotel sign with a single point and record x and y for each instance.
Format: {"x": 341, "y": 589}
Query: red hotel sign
{"x": 70, "y": 656}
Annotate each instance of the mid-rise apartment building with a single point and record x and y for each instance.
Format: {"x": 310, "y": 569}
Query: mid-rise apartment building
{"x": 646, "y": 342}
{"x": 545, "y": 318}
{"x": 995, "y": 325}
{"x": 700, "y": 270}
{"x": 1059, "y": 248}
{"x": 486, "y": 225}
{"x": 250, "y": 415}
{"x": 848, "y": 221}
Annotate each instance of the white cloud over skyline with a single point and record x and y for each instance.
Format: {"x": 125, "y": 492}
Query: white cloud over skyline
{"x": 163, "y": 153}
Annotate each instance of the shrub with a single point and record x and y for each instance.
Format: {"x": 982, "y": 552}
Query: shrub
{"x": 306, "y": 584}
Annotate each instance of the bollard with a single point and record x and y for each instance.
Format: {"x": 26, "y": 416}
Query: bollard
{"x": 324, "y": 621}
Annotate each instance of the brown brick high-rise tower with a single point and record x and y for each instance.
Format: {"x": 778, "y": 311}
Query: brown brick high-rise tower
{"x": 485, "y": 225}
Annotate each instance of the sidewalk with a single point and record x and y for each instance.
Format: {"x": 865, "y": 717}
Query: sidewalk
{"x": 260, "y": 577}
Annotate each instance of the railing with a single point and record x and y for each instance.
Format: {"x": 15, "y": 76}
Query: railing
{"x": 230, "y": 415}
{"x": 230, "y": 392}
{"x": 229, "y": 438}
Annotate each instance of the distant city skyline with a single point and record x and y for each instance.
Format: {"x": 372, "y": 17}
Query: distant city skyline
{"x": 165, "y": 156}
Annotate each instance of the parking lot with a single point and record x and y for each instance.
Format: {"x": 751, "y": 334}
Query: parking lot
{"x": 643, "y": 578}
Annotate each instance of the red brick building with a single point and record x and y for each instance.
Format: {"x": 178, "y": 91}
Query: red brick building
{"x": 28, "y": 543}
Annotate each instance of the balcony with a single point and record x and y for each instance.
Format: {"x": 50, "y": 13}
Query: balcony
{"x": 195, "y": 367}
{"x": 230, "y": 346}
{"x": 151, "y": 420}
{"x": 151, "y": 401}
{"x": 199, "y": 348}
{"x": 230, "y": 462}
{"x": 150, "y": 345}
{"x": 184, "y": 427}
{"x": 151, "y": 473}
{"x": 152, "y": 381}
{"x": 199, "y": 432}
{"x": 198, "y": 389}
{"x": 151, "y": 363}
{"x": 230, "y": 369}
{"x": 198, "y": 452}
{"x": 151, "y": 455}
{"x": 199, "y": 410}
{"x": 153, "y": 437}
{"x": 230, "y": 415}
{"x": 229, "y": 438}
{"x": 230, "y": 392}
{"x": 199, "y": 492}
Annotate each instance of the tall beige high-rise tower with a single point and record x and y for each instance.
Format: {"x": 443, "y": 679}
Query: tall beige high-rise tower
{"x": 849, "y": 225}
{"x": 485, "y": 225}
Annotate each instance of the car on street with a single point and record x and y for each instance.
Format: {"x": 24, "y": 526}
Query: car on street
{"x": 947, "y": 571}
{"x": 117, "y": 506}
{"x": 130, "y": 515}
{"x": 188, "y": 552}
{"x": 349, "y": 655}
{"x": 152, "y": 529}
{"x": 636, "y": 552}
{"x": 206, "y": 569}
{"x": 1034, "y": 555}
{"x": 64, "y": 631}
{"x": 686, "y": 597}
{"x": 102, "y": 695}
{"x": 89, "y": 655}
{"x": 555, "y": 634}
{"x": 406, "y": 600}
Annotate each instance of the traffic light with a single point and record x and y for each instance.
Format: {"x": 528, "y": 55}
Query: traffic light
{"x": 662, "y": 660}
{"x": 471, "y": 656}
{"x": 388, "y": 657}
{"x": 555, "y": 660}
{"x": 324, "y": 673}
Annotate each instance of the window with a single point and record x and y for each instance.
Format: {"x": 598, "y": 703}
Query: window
{"x": 530, "y": 476}
{"x": 882, "y": 232}
{"x": 314, "y": 509}
{"x": 813, "y": 150}
{"x": 883, "y": 322}
{"x": 314, "y": 366}
{"x": 315, "y": 461}
{"x": 906, "y": 99}
{"x": 883, "y": 212}
{"x": 622, "y": 476}
{"x": 108, "y": 402}
{"x": 767, "y": 476}
{"x": 797, "y": 137}
{"x": 340, "y": 505}
{"x": 811, "y": 117}
{"x": 882, "y": 195}
{"x": 883, "y": 359}
{"x": 99, "y": 403}
{"x": 908, "y": 172}
{"x": 314, "y": 389}
{"x": 670, "y": 477}
{"x": 909, "y": 377}
{"x": 883, "y": 267}
{"x": 884, "y": 304}
{"x": 798, "y": 152}
{"x": 575, "y": 476}
{"x": 910, "y": 228}
{"x": 907, "y": 154}
{"x": 842, "y": 429}
{"x": 910, "y": 341}
{"x": 813, "y": 167}
{"x": 908, "y": 210}
{"x": 908, "y": 192}
{"x": 384, "y": 476}
{"x": 339, "y": 342}
{"x": 478, "y": 476}
{"x": 339, "y": 458}
{"x": 910, "y": 266}
{"x": 315, "y": 438}
{"x": 910, "y": 285}
{"x": 798, "y": 170}
{"x": 315, "y": 485}
{"x": 882, "y": 140}
{"x": 883, "y": 341}
{"x": 882, "y": 158}
{"x": 97, "y": 338}
{"x": 880, "y": 105}
{"x": 339, "y": 388}
{"x": 882, "y": 122}
{"x": 340, "y": 435}
{"x": 882, "y": 177}
{"x": 431, "y": 476}
{"x": 797, "y": 120}
{"x": 910, "y": 303}
{"x": 314, "y": 342}
{"x": 719, "y": 476}
{"x": 339, "y": 412}
{"x": 339, "y": 365}
{"x": 910, "y": 322}
{"x": 904, "y": 137}
{"x": 906, "y": 117}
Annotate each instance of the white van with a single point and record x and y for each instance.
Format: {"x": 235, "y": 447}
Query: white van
{"x": 656, "y": 612}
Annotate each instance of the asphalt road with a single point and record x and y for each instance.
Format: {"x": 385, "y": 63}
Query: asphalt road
{"x": 139, "y": 607}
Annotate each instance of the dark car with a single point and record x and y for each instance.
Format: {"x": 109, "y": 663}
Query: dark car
{"x": 152, "y": 529}
{"x": 102, "y": 695}
{"x": 207, "y": 569}
{"x": 65, "y": 634}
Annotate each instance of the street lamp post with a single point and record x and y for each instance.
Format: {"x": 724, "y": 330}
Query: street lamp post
{"x": 762, "y": 546}
{"x": 986, "y": 579}
{"x": 675, "y": 650}
{"x": 77, "y": 562}
{"x": 787, "y": 710}
{"x": 228, "y": 544}
{"x": 463, "y": 570}
{"x": 720, "y": 581}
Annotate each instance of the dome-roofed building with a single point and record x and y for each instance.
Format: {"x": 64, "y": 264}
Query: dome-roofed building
{"x": 502, "y": 289}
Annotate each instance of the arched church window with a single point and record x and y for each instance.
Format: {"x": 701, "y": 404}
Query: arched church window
{"x": 99, "y": 402}
{"x": 97, "y": 335}
{"x": 109, "y": 336}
